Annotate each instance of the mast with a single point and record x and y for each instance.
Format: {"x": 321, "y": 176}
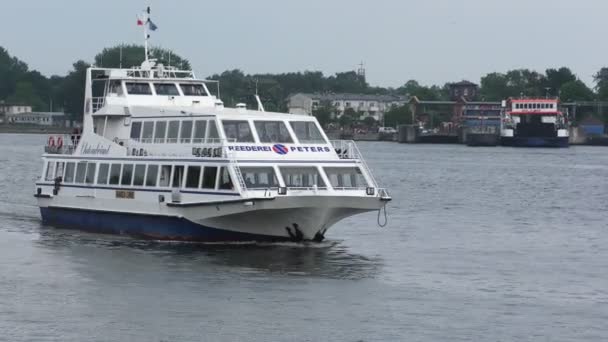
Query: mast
{"x": 146, "y": 35}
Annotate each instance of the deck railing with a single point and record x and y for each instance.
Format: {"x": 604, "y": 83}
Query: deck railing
{"x": 62, "y": 144}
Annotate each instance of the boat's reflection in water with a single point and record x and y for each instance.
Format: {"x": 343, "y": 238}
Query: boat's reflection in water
{"x": 329, "y": 259}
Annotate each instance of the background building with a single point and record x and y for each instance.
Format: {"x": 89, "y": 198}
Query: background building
{"x": 368, "y": 105}
{"x": 37, "y": 118}
{"x": 463, "y": 90}
{"x": 13, "y": 108}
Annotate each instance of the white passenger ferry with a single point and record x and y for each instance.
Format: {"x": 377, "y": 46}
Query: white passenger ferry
{"x": 160, "y": 157}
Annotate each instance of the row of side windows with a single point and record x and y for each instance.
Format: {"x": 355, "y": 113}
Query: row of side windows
{"x": 534, "y": 106}
{"x": 174, "y": 131}
{"x": 141, "y": 175}
{"x": 202, "y": 131}
{"x": 200, "y": 177}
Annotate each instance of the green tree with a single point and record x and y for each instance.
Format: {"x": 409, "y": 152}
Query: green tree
{"x": 494, "y": 87}
{"x": 576, "y": 90}
{"x": 398, "y": 115}
{"x": 369, "y": 121}
{"x": 73, "y": 88}
{"x": 324, "y": 112}
{"x": 349, "y": 117}
{"x": 133, "y": 56}
{"x": 601, "y": 84}
{"x": 556, "y": 78}
{"x": 26, "y": 94}
{"x": 413, "y": 88}
{"x": 11, "y": 71}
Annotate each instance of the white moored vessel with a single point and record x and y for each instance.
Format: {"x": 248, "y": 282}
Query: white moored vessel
{"x": 160, "y": 157}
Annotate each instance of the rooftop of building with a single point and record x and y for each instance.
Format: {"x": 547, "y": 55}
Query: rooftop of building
{"x": 463, "y": 83}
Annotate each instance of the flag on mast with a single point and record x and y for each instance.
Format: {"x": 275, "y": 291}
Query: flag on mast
{"x": 151, "y": 25}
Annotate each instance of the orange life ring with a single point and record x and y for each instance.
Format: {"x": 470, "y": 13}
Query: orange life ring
{"x": 51, "y": 141}
{"x": 59, "y": 142}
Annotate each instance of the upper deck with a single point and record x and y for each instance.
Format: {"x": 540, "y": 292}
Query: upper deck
{"x": 157, "y": 111}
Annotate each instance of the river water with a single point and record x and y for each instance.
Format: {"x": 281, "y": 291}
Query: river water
{"x": 483, "y": 244}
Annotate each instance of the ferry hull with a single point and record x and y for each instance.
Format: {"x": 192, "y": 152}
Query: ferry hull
{"x": 489, "y": 139}
{"x": 284, "y": 219}
{"x": 144, "y": 226}
{"x": 535, "y": 141}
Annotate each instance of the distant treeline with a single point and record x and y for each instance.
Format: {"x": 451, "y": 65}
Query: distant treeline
{"x": 19, "y": 84}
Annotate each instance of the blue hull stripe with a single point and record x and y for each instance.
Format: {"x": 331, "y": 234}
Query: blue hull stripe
{"x": 139, "y": 189}
{"x": 155, "y": 227}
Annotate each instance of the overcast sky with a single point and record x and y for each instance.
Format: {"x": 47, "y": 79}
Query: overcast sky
{"x": 432, "y": 41}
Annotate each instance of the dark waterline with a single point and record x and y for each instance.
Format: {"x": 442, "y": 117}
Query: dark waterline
{"x": 482, "y": 244}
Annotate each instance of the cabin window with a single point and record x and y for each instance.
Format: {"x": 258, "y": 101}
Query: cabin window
{"x": 193, "y": 89}
{"x": 186, "y": 132}
{"x": 115, "y": 88}
{"x": 259, "y": 177}
{"x": 237, "y": 130}
{"x": 212, "y": 135}
{"x": 173, "y": 131}
{"x": 138, "y": 88}
{"x": 102, "y": 176}
{"x": 69, "y": 172}
{"x": 115, "y": 174}
{"x": 194, "y": 174}
{"x": 135, "y": 130}
{"x": 159, "y": 132}
{"x": 345, "y": 177}
{"x": 59, "y": 169}
{"x": 302, "y": 177}
{"x": 307, "y": 132}
{"x": 225, "y": 180}
{"x": 178, "y": 176}
{"x": 140, "y": 172}
{"x": 199, "y": 131}
{"x": 152, "y": 175}
{"x": 168, "y": 89}
{"x": 148, "y": 130}
{"x": 209, "y": 177}
{"x": 127, "y": 174}
{"x": 90, "y": 177}
{"x": 81, "y": 170}
{"x": 50, "y": 171}
{"x": 165, "y": 175}
{"x": 272, "y": 132}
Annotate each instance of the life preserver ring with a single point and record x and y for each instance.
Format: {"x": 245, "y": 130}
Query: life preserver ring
{"x": 59, "y": 142}
{"x": 51, "y": 142}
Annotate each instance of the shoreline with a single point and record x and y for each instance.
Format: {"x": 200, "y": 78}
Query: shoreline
{"x": 10, "y": 129}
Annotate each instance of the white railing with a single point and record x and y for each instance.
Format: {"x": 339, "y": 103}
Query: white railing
{"x": 97, "y": 103}
{"x": 347, "y": 149}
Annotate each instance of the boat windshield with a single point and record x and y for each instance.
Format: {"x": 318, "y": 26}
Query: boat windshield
{"x": 307, "y": 132}
{"x": 259, "y": 177}
{"x": 239, "y": 130}
{"x": 302, "y": 177}
{"x": 272, "y": 132}
{"x": 346, "y": 177}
